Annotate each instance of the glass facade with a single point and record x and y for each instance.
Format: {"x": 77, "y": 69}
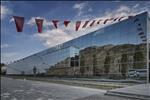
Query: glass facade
{"x": 116, "y": 51}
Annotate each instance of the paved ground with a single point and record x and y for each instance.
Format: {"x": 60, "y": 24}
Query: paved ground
{"x": 83, "y": 82}
{"x": 141, "y": 90}
{"x": 14, "y": 89}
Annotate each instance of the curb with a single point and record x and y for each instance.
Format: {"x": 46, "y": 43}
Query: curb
{"x": 128, "y": 95}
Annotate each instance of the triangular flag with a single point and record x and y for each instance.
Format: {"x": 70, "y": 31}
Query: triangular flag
{"x": 19, "y": 21}
{"x": 78, "y": 23}
{"x": 139, "y": 29}
{"x": 55, "y": 22}
{"x": 39, "y": 23}
{"x": 106, "y": 21}
{"x": 141, "y": 33}
{"x": 139, "y": 24}
{"x": 92, "y": 23}
{"x": 85, "y": 24}
{"x": 66, "y": 22}
{"x": 143, "y": 36}
{"x": 121, "y": 18}
{"x": 130, "y": 17}
{"x": 144, "y": 40}
{"x": 136, "y": 20}
{"x": 99, "y": 21}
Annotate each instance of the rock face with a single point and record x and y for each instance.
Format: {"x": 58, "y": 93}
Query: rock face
{"x": 105, "y": 61}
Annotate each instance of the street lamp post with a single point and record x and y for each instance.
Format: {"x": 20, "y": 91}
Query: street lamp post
{"x": 148, "y": 77}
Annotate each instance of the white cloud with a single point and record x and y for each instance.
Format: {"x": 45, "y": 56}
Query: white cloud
{"x": 32, "y": 21}
{"x": 4, "y": 46}
{"x": 11, "y": 20}
{"x": 82, "y": 8}
{"x": 53, "y": 37}
{"x": 90, "y": 9}
{"x": 121, "y": 11}
{"x": 79, "y": 6}
{"x": 5, "y": 11}
{"x": 136, "y": 6}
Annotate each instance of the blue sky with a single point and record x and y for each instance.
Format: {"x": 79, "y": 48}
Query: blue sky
{"x": 15, "y": 45}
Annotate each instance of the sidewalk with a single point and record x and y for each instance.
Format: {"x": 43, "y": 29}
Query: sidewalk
{"x": 83, "y": 82}
{"x": 141, "y": 92}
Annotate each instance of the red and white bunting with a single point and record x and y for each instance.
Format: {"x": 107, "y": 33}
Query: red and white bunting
{"x": 85, "y": 24}
{"x": 121, "y": 18}
{"x": 136, "y": 20}
{"x": 98, "y": 22}
{"x": 92, "y": 23}
{"x": 115, "y": 19}
{"x": 139, "y": 29}
{"x": 39, "y": 23}
{"x": 19, "y": 21}
{"x": 66, "y": 22}
{"x": 55, "y": 23}
{"x": 141, "y": 33}
{"x": 78, "y": 23}
{"x": 105, "y": 21}
{"x": 130, "y": 17}
{"x": 143, "y": 36}
{"x": 144, "y": 40}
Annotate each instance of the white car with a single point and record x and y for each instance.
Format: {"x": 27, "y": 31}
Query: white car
{"x": 141, "y": 73}
{"x": 132, "y": 73}
{"x": 137, "y": 73}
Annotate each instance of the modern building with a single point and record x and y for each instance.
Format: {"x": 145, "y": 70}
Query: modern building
{"x": 109, "y": 51}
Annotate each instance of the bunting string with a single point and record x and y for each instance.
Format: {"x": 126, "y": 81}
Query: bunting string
{"x": 19, "y": 21}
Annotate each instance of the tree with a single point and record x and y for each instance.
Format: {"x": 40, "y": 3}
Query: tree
{"x": 3, "y": 72}
{"x": 124, "y": 60}
{"x": 138, "y": 58}
{"x": 94, "y": 64}
{"x": 107, "y": 64}
{"x": 34, "y": 70}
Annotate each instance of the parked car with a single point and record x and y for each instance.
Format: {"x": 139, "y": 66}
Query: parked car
{"x": 137, "y": 73}
{"x": 132, "y": 73}
{"x": 141, "y": 73}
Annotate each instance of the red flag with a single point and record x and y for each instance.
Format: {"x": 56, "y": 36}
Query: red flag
{"x": 139, "y": 29}
{"x": 19, "y": 21}
{"x": 141, "y": 33}
{"x": 143, "y": 36}
{"x": 130, "y": 17}
{"x": 92, "y": 23}
{"x": 78, "y": 23}
{"x": 106, "y": 21}
{"x": 66, "y": 22}
{"x": 85, "y": 24}
{"x": 99, "y": 21}
{"x": 144, "y": 40}
{"x": 109, "y": 20}
{"x": 39, "y": 23}
{"x": 139, "y": 24}
{"x": 136, "y": 20}
{"x": 121, "y": 18}
{"x": 55, "y": 22}
{"x": 115, "y": 19}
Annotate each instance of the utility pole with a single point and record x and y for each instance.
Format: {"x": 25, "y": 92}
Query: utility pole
{"x": 148, "y": 60}
{"x": 148, "y": 77}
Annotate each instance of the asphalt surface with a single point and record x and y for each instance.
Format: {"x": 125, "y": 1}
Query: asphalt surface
{"x": 15, "y": 89}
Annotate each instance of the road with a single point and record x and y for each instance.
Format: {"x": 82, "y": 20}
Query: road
{"x": 15, "y": 89}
